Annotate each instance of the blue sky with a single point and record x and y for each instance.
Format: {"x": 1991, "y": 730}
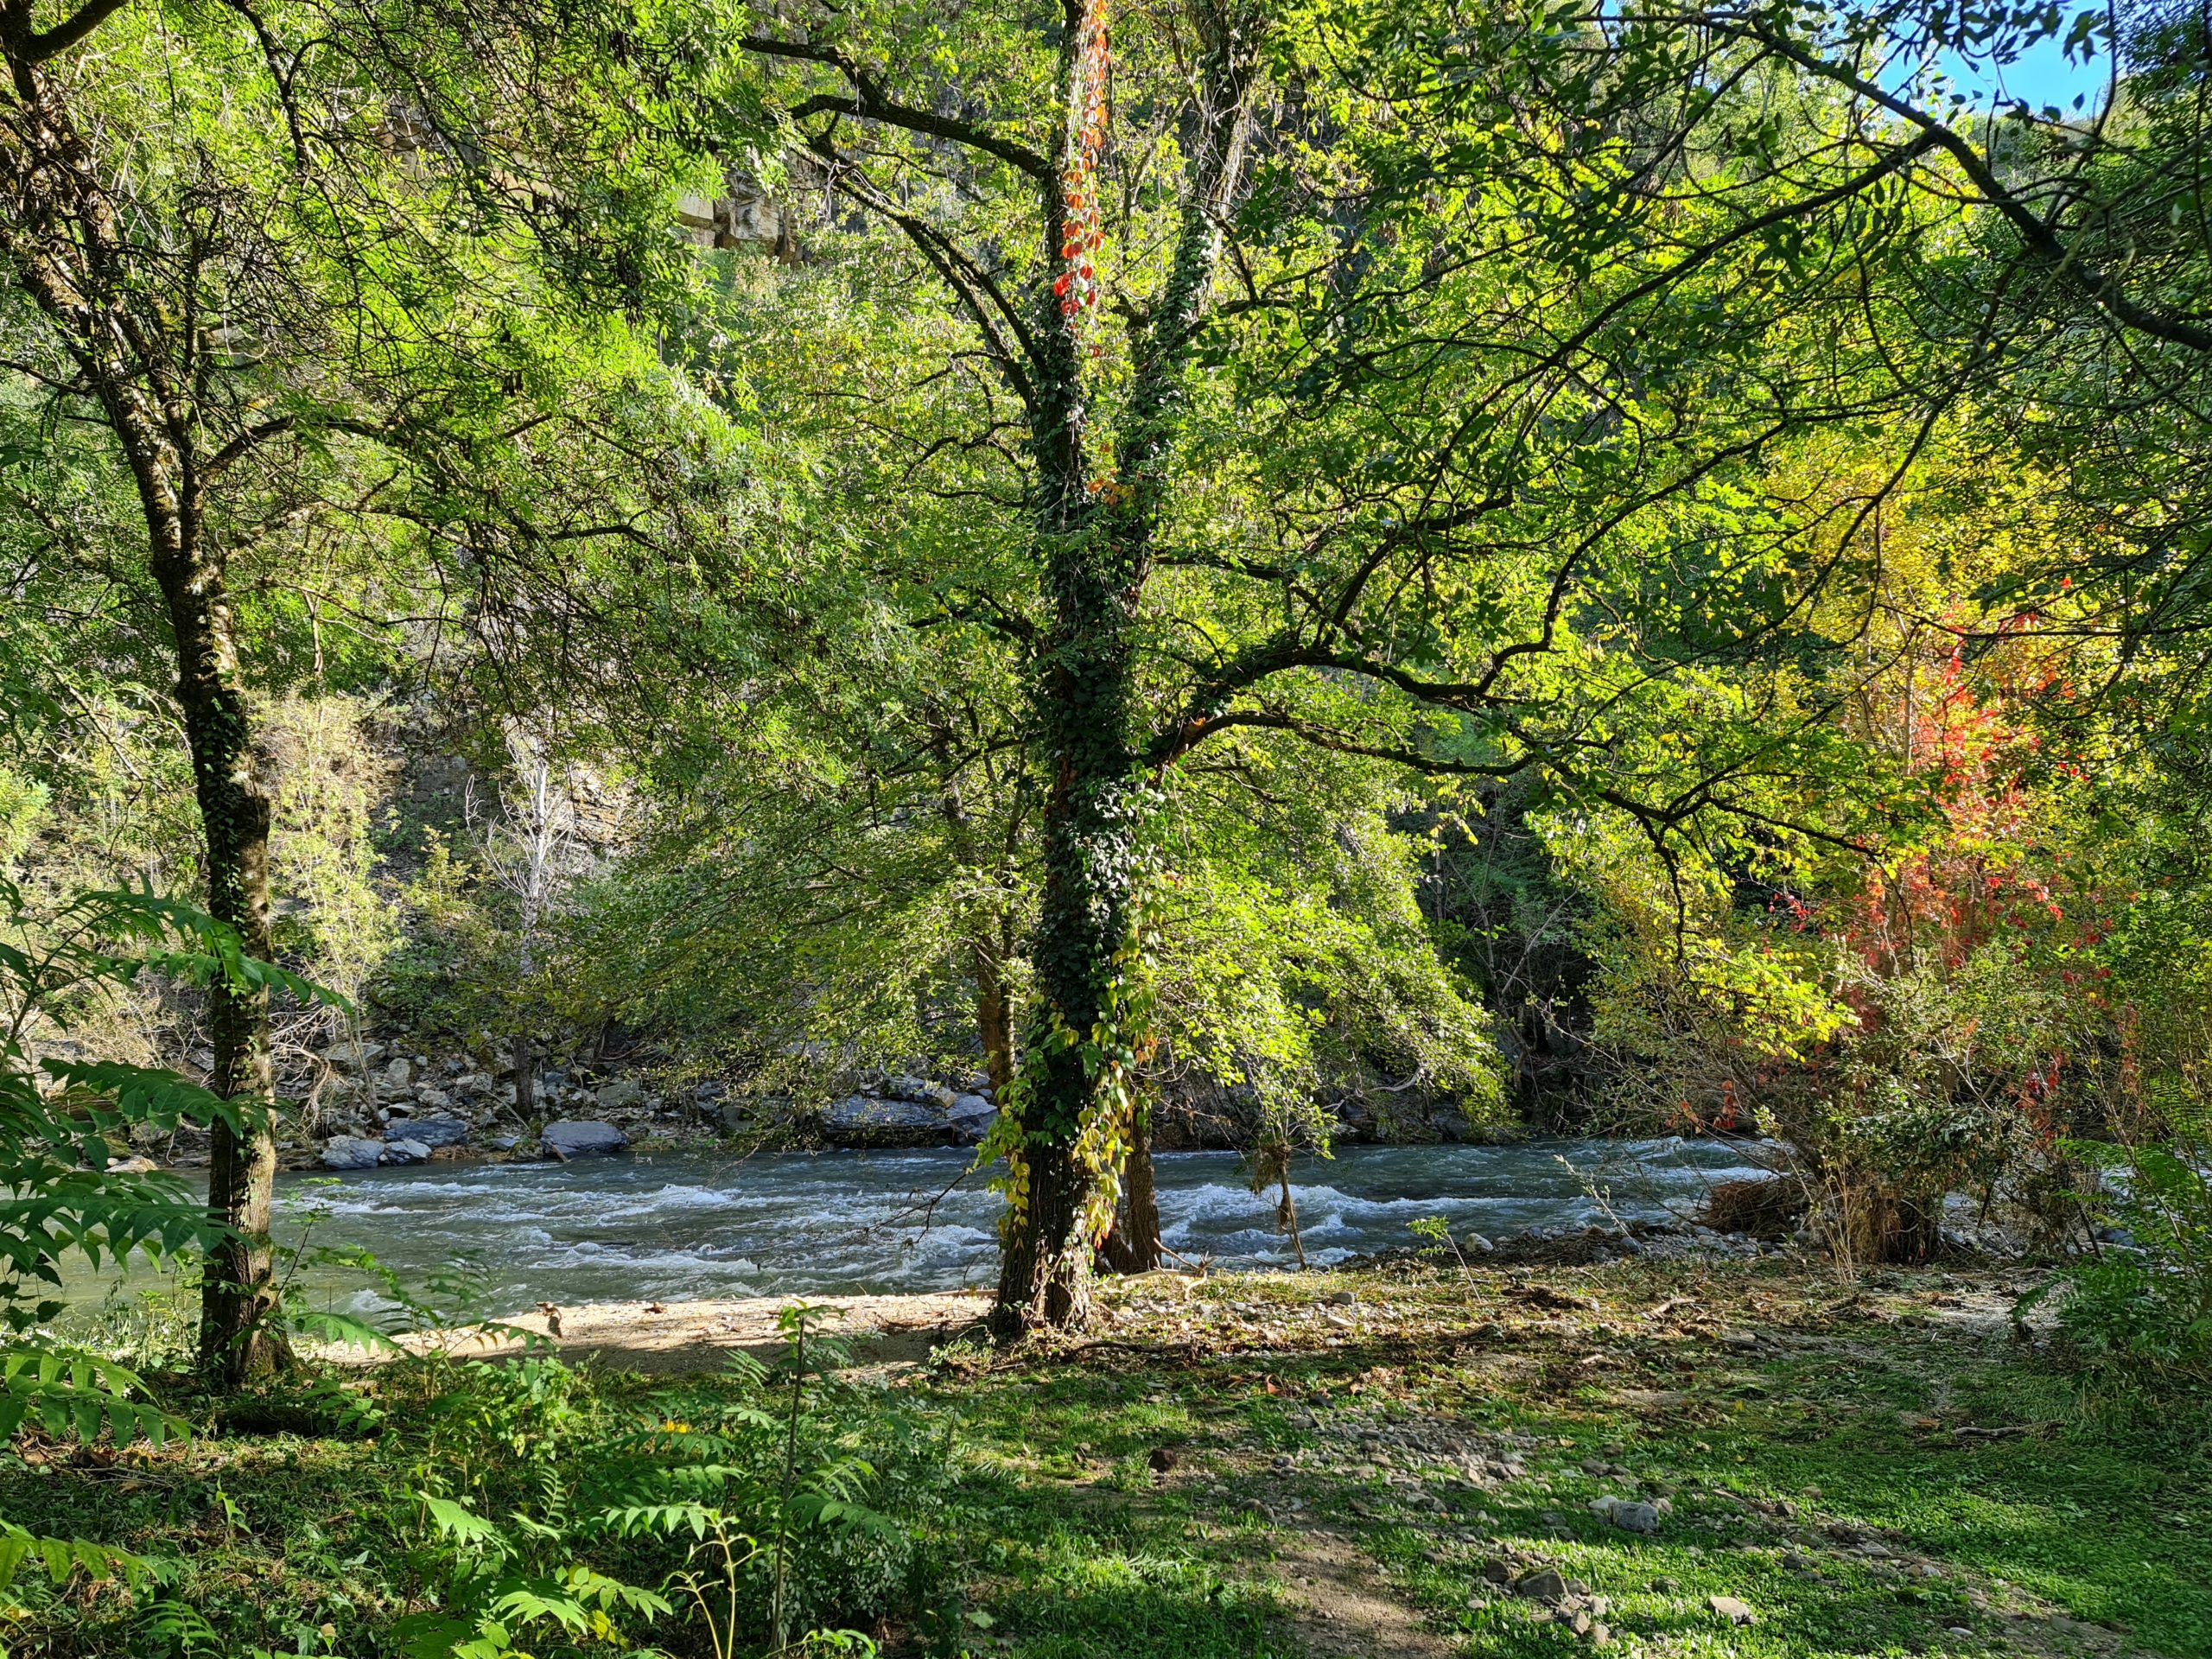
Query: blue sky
{"x": 2039, "y": 76}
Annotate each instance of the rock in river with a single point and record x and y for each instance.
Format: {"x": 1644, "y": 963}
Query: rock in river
{"x": 581, "y": 1137}
{"x": 864, "y": 1120}
{"x": 405, "y": 1152}
{"x": 431, "y": 1131}
{"x": 351, "y": 1151}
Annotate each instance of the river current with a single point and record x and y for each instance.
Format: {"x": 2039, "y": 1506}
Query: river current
{"x": 682, "y": 1225}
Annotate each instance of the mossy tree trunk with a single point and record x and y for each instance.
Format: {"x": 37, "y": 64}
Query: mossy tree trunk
{"x": 119, "y": 312}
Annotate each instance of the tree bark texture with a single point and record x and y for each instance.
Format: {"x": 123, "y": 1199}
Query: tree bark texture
{"x": 525, "y": 1074}
{"x": 239, "y": 1338}
{"x": 1141, "y": 1198}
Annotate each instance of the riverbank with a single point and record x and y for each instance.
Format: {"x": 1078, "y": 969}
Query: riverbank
{"x": 1392, "y": 1462}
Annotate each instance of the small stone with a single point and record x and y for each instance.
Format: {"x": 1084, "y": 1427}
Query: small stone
{"x": 1742, "y": 1340}
{"x": 406, "y": 1152}
{"x": 1599, "y": 1636}
{"x": 1543, "y": 1585}
{"x": 1576, "y": 1588}
{"x": 1476, "y": 1244}
{"x": 1162, "y": 1459}
{"x": 1627, "y": 1514}
{"x": 1344, "y": 1299}
{"x": 1735, "y": 1612}
{"x": 1666, "y": 1586}
{"x": 1496, "y": 1571}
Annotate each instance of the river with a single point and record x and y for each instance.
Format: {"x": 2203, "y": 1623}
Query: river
{"x": 680, "y": 1225}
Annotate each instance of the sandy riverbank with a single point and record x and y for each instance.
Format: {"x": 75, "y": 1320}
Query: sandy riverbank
{"x": 697, "y": 1336}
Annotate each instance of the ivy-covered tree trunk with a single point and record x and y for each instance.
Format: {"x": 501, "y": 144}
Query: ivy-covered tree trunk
{"x": 1080, "y": 702}
{"x": 1072, "y": 1105}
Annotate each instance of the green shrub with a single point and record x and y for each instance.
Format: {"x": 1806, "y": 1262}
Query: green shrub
{"x": 2144, "y": 1299}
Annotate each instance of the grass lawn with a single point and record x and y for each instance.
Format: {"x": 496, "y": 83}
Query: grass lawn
{"x": 1251, "y": 1469}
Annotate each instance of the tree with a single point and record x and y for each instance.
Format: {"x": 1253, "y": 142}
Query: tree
{"x": 1244, "y": 527}
{"x": 316, "y": 295}
{"x": 139, "y": 276}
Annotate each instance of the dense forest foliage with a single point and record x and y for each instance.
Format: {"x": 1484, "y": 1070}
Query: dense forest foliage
{"x": 1219, "y": 573}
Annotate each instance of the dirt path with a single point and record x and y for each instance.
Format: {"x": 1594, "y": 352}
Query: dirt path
{"x": 1338, "y": 1606}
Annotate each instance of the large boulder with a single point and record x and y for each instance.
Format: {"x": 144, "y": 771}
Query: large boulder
{"x": 406, "y": 1152}
{"x": 430, "y": 1131}
{"x": 864, "y": 1120}
{"x": 351, "y": 1152}
{"x": 581, "y": 1137}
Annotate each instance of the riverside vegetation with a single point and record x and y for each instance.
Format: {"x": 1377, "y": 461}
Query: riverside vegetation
{"x": 1382, "y": 1463}
{"x": 1072, "y": 577}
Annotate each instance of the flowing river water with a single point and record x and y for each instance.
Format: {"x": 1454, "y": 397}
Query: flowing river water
{"x": 676, "y": 1226}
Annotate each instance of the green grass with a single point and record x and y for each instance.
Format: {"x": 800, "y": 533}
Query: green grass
{"x": 2059, "y": 1521}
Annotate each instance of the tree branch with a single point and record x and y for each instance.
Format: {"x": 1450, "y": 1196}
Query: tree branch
{"x": 2043, "y": 244}
{"x": 37, "y": 48}
{"x": 869, "y": 102}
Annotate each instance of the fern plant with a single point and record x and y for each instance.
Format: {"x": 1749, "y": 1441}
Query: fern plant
{"x": 761, "y": 1490}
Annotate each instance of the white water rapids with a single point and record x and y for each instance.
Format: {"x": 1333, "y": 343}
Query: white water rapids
{"x": 684, "y": 1225}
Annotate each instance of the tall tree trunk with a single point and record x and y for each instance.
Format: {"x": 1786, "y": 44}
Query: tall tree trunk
{"x": 525, "y": 1074}
{"x": 994, "y": 1020}
{"x": 238, "y": 1336}
{"x": 65, "y": 240}
{"x": 525, "y": 1050}
{"x": 986, "y": 945}
{"x": 1082, "y": 705}
{"x": 1095, "y": 547}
